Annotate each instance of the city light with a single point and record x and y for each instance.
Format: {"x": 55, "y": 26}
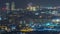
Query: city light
{"x": 56, "y": 20}
{"x": 0, "y": 18}
{"x": 31, "y": 17}
{"x": 48, "y": 24}
{"x": 4, "y": 9}
{"x": 32, "y": 8}
{"x": 36, "y": 13}
{"x": 40, "y": 16}
{"x": 55, "y": 12}
{"x": 33, "y": 26}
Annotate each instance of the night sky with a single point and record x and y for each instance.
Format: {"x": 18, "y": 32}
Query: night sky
{"x": 23, "y": 3}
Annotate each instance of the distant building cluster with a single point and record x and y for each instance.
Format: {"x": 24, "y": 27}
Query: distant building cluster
{"x": 30, "y": 7}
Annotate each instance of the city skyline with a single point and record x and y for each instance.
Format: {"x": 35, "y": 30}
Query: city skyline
{"x": 24, "y": 3}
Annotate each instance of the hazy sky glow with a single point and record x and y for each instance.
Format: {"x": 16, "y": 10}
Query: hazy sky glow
{"x": 21, "y": 3}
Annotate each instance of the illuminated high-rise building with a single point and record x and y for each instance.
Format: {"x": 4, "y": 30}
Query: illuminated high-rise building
{"x": 7, "y": 6}
{"x": 13, "y": 6}
{"x": 33, "y": 8}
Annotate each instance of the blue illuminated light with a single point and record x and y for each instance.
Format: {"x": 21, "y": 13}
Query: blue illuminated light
{"x": 13, "y": 27}
{"x": 48, "y": 24}
{"x": 36, "y": 13}
{"x": 33, "y": 26}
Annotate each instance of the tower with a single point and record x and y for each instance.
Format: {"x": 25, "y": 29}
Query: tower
{"x": 7, "y": 6}
{"x": 13, "y": 6}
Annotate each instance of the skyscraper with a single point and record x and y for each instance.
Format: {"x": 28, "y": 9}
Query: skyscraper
{"x": 7, "y": 6}
{"x": 13, "y": 6}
